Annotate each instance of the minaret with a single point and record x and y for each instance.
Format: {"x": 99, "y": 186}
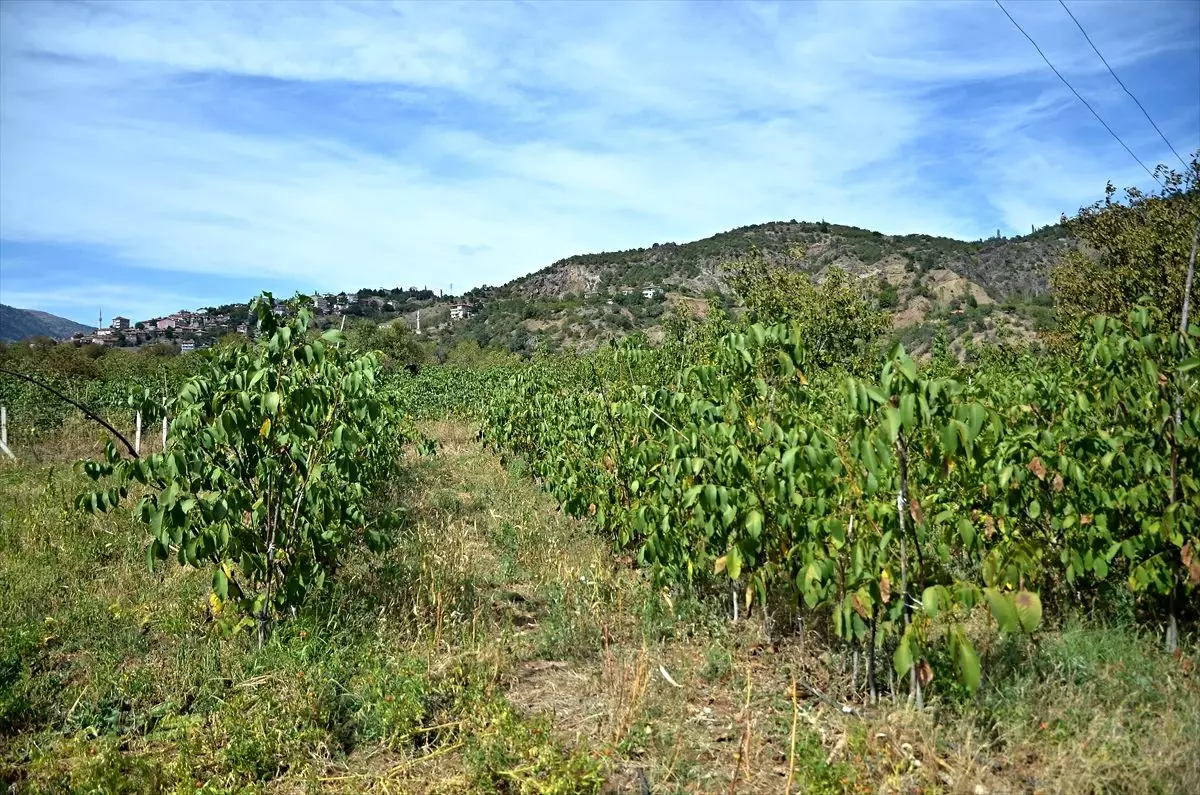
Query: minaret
{"x": 100, "y": 319}
{"x": 418, "y": 321}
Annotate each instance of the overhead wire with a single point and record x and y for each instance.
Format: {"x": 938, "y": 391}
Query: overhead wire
{"x": 1121, "y": 83}
{"x": 1078, "y": 96}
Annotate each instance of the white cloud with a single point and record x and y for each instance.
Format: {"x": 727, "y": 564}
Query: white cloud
{"x": 473, "y": 143}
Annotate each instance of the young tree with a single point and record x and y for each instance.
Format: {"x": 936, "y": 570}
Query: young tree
{"x": 1136, "y": 249}
{"x": 272, "y": 456}
{"x": 838, "y": 318}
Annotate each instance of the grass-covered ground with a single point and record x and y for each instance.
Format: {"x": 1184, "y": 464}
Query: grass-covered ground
{"x": 501, "y": 647}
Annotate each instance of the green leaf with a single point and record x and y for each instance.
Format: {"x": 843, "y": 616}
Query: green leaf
{"x": 929, "y": 600}
{"x": 949, "y": 439}
{"x": 1028, "y": 608}
{"x": 967, "y": 660}
{"x": 902, "y": 659}
{"x": 908, "y": 413}
{"x": 976, "y": 414}
{"x": 733, "y": 563}
{"x": 754, "y": 524}
{"x": 891, "y": 418}
{"x": 966, "y": 530}
{"x": 1003, "y": 609}
{"x": 221, "y": 583}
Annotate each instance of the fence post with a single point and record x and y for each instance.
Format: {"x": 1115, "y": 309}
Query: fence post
{"x": 137, "y": 433}
{"x": 4, "y": 433}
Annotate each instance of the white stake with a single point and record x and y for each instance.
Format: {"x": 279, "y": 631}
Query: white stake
{"x": 164, "y": 430}
{"x": 4, "y": 433}
{"x": 137, "y": 432}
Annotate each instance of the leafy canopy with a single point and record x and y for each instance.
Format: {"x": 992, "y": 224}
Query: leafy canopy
{"x": 837, "y": 317}
{"x": 273, "y": 453}
{"x": 1136, "y": 249}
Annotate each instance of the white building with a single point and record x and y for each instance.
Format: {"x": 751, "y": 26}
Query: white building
{"x": 460, "y": 311}
{"x": 650, "y": 292}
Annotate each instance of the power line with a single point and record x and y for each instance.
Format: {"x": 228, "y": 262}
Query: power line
{"x": 1121, "y": 84}
{"x": 1076, "y": 93}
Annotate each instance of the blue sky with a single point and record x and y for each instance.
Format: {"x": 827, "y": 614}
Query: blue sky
{"x": 164, "y": 155}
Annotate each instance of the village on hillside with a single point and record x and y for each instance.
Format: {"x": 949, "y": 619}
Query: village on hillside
{"x": 194, "y": 330}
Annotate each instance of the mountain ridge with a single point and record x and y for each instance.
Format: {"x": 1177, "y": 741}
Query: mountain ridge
{"x": 17, "y": 324}
{"x": 982, "y": 289}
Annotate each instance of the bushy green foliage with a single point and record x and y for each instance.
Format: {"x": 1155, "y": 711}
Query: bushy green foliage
{"x": 862, "y": 497}
{"x": 273, "y": 452}
{"x": 395, "y": 343}
{"x": 1140, "y": 249}
{"x": 837, "y": 318}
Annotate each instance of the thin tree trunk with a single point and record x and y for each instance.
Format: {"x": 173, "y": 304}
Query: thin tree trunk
{"x": 1172, "y": 641}
{"x": 272, "y": 530}
{"x": 914, "y": 683}
{"x": 872, "y": 691}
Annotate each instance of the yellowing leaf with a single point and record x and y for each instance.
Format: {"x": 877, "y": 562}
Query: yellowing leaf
{"x": 265, "y": 429}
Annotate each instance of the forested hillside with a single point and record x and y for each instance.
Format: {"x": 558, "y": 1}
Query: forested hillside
{"x": 980, "y": 290}
{"x": 19, "y": 324}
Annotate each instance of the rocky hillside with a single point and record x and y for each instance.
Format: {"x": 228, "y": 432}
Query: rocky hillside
{"x": 978, "y": 289}
{"x": 1002, "y": 267}
{"x": 19, "y": 324}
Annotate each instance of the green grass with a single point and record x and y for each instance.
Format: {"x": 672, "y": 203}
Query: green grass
{"x": 500, "y": 647}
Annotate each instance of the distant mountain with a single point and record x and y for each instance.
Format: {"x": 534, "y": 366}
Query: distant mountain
{"x": 978, "y": 289}
{"x": 19, "y": 324}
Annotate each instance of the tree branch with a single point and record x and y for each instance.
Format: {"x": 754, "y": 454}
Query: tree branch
{"x": 80, "y": 406}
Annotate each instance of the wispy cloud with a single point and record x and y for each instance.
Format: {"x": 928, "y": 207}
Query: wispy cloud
{"x": 196, "y": 149}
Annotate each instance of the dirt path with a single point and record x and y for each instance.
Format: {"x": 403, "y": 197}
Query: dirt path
{"x": 678, "y": 697}
{"x": 674, "y": 697}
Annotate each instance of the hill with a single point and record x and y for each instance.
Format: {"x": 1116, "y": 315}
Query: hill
{"x": 979, "y": 289}
{"x": 19, "y": 324}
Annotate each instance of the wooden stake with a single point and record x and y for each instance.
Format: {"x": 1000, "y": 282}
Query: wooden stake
{"x": 137, "y": 432}
{"x": 164, "y": 430}
{"x": 787, "y": 787}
